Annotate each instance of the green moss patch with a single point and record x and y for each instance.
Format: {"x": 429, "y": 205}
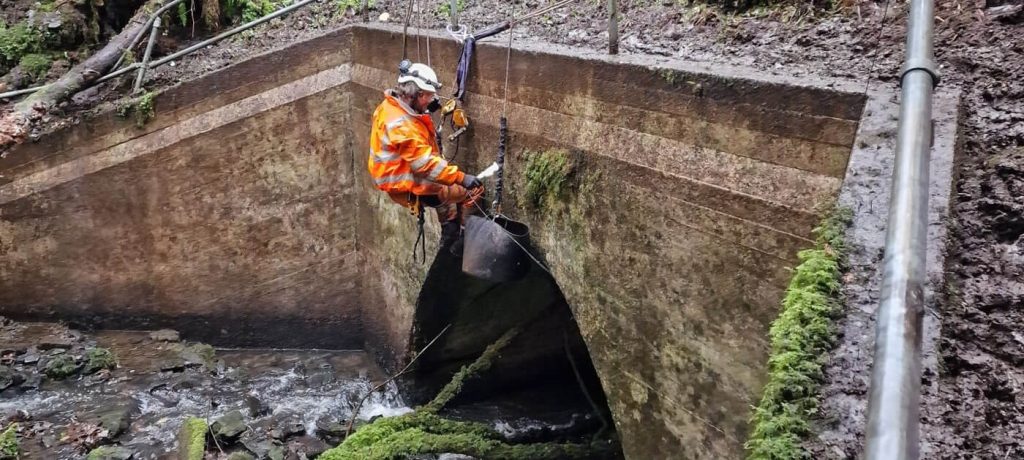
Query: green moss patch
{"x": 547, "y": 177}
{"x": 98, "y": 359}
{"x": 36, "y": 64}
{"x": 192, "y": 439}
{"x": 801, "y": 338}
{"x": 425, "y": 432}
{"x": 18, "y": 41}
{"x": 61, "y": 367}
{"x": 9, "y": 448}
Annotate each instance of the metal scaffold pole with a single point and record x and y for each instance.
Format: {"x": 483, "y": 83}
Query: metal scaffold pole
{"x": 895, "y": 395}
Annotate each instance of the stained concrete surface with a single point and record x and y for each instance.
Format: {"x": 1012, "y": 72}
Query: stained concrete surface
{"x": 691, "y": 192}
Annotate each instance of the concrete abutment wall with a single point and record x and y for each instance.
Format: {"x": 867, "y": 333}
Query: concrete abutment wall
{"x": 689, "y": 192}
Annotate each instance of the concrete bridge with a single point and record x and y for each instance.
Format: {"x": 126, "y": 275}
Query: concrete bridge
{"x": 242, "y": 214}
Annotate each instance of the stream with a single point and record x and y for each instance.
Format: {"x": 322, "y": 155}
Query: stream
{"x": 294, "y": 404}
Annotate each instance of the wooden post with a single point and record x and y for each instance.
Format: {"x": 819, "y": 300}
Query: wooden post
{"x": 613, "y": 26}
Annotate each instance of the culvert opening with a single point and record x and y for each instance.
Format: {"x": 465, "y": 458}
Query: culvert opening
{"x": 244, "y": 217}
{"x": 544, "y": 373}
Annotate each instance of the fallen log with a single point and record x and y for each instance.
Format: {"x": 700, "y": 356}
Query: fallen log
{"x": 17, "y": 123}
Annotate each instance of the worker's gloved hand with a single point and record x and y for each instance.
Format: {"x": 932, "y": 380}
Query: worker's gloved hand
{"x": 470, "y": 181}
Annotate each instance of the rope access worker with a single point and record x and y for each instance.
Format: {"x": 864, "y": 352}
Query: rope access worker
{"x": 405, "y": 160}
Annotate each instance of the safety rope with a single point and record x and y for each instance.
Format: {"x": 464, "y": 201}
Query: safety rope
{"x": 405, "y": 31}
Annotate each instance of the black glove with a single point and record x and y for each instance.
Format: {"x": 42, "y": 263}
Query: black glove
{"x": 470, "y": 181}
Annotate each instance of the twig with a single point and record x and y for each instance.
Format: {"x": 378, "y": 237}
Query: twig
{"x": 359, "y": 406}
{"x": 209, "y": 429}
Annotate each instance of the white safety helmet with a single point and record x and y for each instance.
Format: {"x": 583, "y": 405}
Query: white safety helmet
{"x": 423, "y": 76}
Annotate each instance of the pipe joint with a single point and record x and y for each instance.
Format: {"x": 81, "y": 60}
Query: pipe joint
{"x": 927, "y": 65}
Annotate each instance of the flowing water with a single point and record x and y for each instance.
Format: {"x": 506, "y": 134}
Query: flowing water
{"x": 300, "y": 398}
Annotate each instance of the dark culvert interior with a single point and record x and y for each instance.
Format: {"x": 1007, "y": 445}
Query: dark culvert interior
{"x": 668, "y": 202}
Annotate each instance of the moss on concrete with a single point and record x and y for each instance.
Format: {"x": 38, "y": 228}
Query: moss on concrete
{"x": 547, "y": 177}
{"x": 145, "y": 109}
{"x": 9, "y": 448}
{"x": 98, "y": 359}
{"x": 61, "y": 367}
{"x": 800, "y": 337}
{"x": 192, "y": 439}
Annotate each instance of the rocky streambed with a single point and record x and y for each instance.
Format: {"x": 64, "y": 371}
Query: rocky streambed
{"x": 66, "y": 394}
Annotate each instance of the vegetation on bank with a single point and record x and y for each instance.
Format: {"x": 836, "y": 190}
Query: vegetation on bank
{"x": 9, "y": 448}
{"x": 801, "y": 338}
{"x": 192, "y": 439}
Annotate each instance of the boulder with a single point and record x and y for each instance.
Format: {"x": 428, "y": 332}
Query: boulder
{"x": 110, "y": 453}
{"x": 165, "y": 335}
{"x": 229, "y": 426}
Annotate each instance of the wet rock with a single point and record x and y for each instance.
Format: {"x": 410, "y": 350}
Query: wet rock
{"x": 286, "y": 426}
{"x": 9, "y": 377}
{"x": 61, "y": 367}
{"x": 98, "y": 359}
{"x": 321, "y": 374}
{"x": 32, "y": 382}
{"x": 116, "y": 420}
{"x": 229, "y": 426}
{"x": 30, "y": 357}
{"x": 257, "y": 408}
{"x": 261, "y": 448}
{"x": 330, "y": 430}
{"x": 165, "y": 335}
{"x": 56, "y": 342}
{"x": 198, "y": 355}
{"x": 277, "y": 452}
{"x": 307, "y": 447}
{"x": 110, "y": 453}
{"x": 240, "y": 456}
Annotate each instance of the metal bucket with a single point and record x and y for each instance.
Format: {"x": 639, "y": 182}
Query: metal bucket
{"x": 491, "y": 252}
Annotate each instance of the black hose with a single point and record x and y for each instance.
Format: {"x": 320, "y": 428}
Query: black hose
{"x": 493, "y": 30}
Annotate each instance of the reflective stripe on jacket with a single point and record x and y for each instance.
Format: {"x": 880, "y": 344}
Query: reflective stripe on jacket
{"x": 404, "y": 153}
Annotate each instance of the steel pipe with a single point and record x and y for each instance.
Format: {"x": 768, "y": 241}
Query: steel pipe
{"x": 895, "y": 395}
{"x": 145, "y": 56}
{"x": 189, "y": 50}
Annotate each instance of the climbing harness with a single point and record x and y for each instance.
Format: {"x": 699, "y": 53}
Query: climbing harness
{"x": 453, "y": 112}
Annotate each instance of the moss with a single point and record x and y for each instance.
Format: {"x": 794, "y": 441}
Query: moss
{"x": 20, "y": 40}
{"x": 61, "y": 367}
{"x": 9, "y": 448}
{"x": 36, "y": 64}
{"x": 445, "y": 7}
{"x": 481, "y": 364}
{"x": 249, "y": 10}
{"x": 354, "y": 5}
{"x": 145, "y": 109}
{"x": 800, "y": 338}
{"x": 192, "y": 439}
{"x": 98, "y": 359}
{"x": 547, "y": 175}
{"x": 425, "y": 432}
{"x": 109, "y": 453}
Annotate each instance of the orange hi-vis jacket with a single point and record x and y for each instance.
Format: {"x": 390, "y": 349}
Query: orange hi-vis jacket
{"x": 404, "y": 153}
